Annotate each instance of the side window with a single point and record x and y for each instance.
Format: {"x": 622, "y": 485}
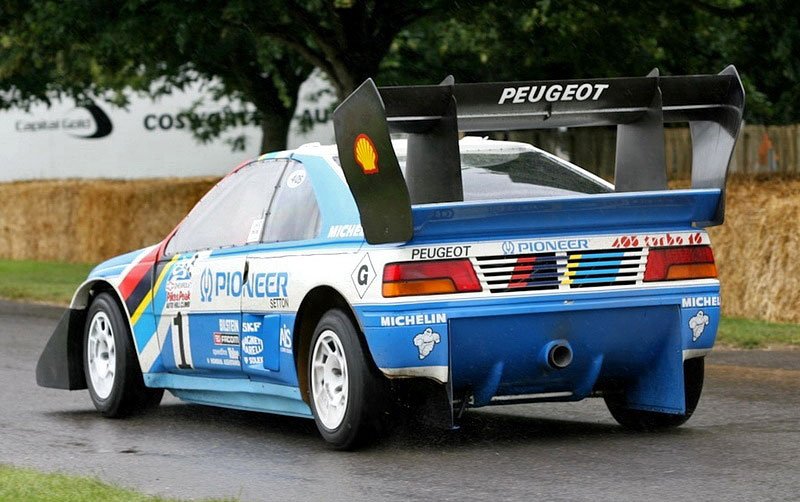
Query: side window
{"x": 228, "y": 213}
{"x": 294, "y": 213}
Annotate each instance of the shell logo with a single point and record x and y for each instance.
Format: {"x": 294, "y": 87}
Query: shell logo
{"x": 366, "y": 154}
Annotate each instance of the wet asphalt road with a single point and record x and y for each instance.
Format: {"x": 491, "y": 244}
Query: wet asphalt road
{"x": 742, "y": 444}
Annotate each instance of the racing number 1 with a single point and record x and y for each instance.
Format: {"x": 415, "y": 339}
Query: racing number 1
{"x": 179, "y": 336}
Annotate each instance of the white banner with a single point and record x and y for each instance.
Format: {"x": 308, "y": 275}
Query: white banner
{"x": 151, "y": 139}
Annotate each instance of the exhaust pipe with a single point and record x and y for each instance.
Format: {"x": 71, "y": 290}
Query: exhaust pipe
{"x": 557, "y": 354}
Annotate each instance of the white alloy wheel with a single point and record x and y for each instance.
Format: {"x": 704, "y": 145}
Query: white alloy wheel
{"x": 329, "y": 379}
{"x": 101, "y": 355}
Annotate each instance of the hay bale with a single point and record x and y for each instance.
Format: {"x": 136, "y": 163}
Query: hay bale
{"x": 756, "y": 249}
{"x": 92, "y": 220}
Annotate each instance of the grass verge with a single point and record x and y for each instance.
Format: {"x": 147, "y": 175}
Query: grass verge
{"x": 753, "y": 334}
{"x": 28, "y": 485}
{"x": 41, "y": 281}
{"x": 55, "y": 282}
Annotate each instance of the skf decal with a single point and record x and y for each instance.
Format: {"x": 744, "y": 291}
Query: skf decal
{"x": 413, "y": 319}
{"x": 698, "y": 324}
{"x": 426, "y": 341}
{"x": 552, "y": 93}
{"x": 700, "y": 302}
{"x": 440, "y": 252}
{"x": 366, "y": 154}
{"x": 635, "y": 241}
{"x": 363, "y": 275}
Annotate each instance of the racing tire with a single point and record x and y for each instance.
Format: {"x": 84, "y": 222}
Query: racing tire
{"x": 638, "y": 420}
{"x": 346, "y": 390}
{"x": 110, "y": 363}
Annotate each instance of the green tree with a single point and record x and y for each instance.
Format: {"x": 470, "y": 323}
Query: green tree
{"x": 543, "y": 39}
{"x": 255, "y": 52}
{"x": 87, "y": 49}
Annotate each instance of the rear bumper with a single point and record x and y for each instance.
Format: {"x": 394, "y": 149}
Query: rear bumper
{"x": 494, "y": 350}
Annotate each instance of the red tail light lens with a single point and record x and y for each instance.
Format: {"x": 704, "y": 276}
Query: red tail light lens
{"x": 429, "y": 278}
{"x": 677, "y": 263}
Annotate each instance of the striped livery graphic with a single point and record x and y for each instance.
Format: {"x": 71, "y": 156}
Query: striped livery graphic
{"x": 136, "y": 287}
{"x": 562, "y": 270}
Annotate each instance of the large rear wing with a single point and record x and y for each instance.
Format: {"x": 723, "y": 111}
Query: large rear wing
{"x": 432, "y": 116}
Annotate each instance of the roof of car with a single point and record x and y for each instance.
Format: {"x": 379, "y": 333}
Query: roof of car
{"x": 467, "y": 144}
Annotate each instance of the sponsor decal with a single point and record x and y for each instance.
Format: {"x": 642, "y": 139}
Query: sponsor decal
{"x": 251, "y": 327}
{"x": 440, "y": 252}
{"x": 286, "y": 339}
{"x": 700, "y": 302}
{"x": 341, "y": 231}
{"x": 657, "y": 240}
{"x": 366, "y": 154}
{"x": 229, "y": 325}
{"x": 413, "y": 319}
{"x": 218, "y": 361}
{"x": 252, "y": 346}
{"x": 426, "y": 341}
{"x": 206, "y": 281}
{"x": 270, "y": 285}
{"x": 179, "y": 286}
{"x": 296, "y": 178}
{"x": 698, "y": 324}
{"x": 552, "y": 93}
{"x": 541, "y": 246}
{"x": 226, "y": 339}
{"x": 363, "y": 275}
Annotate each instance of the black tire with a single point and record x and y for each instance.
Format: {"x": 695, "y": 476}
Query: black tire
{"x": 362, "y": 419}
{"x": 638, "y": 420}
{"x": 127, "y": 394}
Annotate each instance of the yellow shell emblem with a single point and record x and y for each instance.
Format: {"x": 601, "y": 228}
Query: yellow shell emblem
{"x": 366, "y": 154}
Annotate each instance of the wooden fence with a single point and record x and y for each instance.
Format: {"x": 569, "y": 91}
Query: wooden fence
{"x": 759, "y": 149}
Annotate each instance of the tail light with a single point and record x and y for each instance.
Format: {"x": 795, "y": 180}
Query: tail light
{"x": 676, "y": 263}
{"x": 429, "y": 278}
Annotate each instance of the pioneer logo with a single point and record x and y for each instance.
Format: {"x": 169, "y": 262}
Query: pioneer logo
{"x": 551, "y": 93}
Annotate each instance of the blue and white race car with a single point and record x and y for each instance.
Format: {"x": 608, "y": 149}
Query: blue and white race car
{"x": 315, "y": 282}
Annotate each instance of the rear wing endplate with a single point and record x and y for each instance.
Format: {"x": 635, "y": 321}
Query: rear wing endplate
{"x": 432, "y": 116}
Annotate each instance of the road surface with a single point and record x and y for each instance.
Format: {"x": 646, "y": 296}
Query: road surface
{"x": 742, "y": 444}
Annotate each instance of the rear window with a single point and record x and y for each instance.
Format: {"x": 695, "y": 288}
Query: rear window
{"x": 521, "y": 173}
{"x": 489, "y": 176}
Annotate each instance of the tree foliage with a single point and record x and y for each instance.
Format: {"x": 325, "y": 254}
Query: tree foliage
{"x": 258, "y": 53}
{"x": 543, "y": 39}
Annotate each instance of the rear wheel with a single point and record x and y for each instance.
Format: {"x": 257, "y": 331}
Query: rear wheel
{"x": 346, "y": 391}
{"x": 110, "y": 364}
{"x": 693, "y": 375}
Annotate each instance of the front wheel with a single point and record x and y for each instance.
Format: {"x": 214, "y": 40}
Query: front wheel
{"x": 693, "y": 375}
{"x": 346, "y": 391}
{"x": 110, "y": 364}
